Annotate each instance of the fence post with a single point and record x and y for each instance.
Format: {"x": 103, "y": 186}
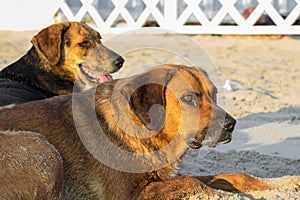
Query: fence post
{"x": 170, "y": 14}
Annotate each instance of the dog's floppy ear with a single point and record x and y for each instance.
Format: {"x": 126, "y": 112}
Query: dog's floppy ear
{"x": 48, "y": 42}
{"x": 146, "y": 97}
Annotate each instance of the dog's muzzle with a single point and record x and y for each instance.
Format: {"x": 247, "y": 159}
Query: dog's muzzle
{"x": 214, "y": 135}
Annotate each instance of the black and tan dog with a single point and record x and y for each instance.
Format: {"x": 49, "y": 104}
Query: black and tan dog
{"x": 61, "y": 55}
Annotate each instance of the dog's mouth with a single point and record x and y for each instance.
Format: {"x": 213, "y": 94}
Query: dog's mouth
{"x": 224, "y": 141}
{"x": 94, "y": 76}
{"x": 210, "y": 142}
{"x": 195, "y": 145}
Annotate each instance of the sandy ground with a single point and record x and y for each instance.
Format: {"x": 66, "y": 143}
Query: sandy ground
{"x": 258, "y": 79}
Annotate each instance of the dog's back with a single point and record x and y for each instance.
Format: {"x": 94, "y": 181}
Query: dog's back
{"x": 15, "y": 92}
{"x": 30, "y": 167}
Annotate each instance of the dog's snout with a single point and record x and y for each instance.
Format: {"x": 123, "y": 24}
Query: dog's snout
{"x": 229, "y": 123}
{"x": 119, "y": 62}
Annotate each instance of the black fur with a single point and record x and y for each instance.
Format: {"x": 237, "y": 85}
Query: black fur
{"x": 27, "y": 80}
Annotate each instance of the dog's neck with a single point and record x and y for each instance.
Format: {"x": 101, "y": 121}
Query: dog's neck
{"x": 31, "y": 70}
{"x": 122, "y": 135}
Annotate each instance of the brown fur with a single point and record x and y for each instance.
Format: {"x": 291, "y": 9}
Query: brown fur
{"x": 30, "y": 167}
{"x": 62, "y": 55}
{"x": 169, "y": 106}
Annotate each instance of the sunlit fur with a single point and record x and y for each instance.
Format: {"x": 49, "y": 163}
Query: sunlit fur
{"x": 122, "y": 112}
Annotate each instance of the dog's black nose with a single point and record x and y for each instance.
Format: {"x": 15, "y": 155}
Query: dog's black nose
{"x": 119, "y": 62}
{"x": 229, "y": 123}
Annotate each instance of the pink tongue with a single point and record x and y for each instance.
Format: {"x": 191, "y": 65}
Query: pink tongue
{"x": 104, "y": 78}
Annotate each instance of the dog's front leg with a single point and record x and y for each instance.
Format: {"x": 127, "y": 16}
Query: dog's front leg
{"x": 183, "y": 187}
{"x": 236, "y": 182}
{"x": 258, "y": 188}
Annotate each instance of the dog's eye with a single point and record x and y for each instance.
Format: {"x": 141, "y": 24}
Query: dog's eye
{"x": 190, "y": 99}
{"x": 85, "y": 44}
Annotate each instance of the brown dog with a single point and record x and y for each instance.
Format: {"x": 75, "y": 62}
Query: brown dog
{"x": 119, "y": 140}
{"x": 61, "y": 55}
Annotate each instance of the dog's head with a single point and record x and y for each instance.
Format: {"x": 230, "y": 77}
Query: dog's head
{"x": 73, "y": 51}
{"x": 178, "y": 102}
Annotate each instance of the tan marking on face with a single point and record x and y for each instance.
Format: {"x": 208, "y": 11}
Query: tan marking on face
{"x": 82, "y": 48}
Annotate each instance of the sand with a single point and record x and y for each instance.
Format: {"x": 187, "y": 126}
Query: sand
{"x": 258, "y": 79}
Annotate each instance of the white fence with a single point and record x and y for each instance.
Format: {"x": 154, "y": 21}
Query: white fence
{"x": 180, "y": 16}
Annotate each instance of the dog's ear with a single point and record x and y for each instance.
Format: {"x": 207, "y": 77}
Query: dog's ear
{"x": 146, "y": 97}
{"x": 48, "y": 42}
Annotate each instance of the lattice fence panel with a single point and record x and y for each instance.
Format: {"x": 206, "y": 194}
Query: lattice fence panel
{"x": 180, "y": 16}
